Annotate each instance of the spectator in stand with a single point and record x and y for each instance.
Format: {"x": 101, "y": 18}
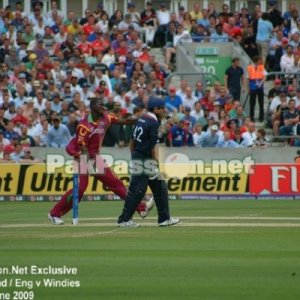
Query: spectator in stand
{"x": 219, "y": 36}
{"x": 42, "y": 140}
{"x": 287, "y": 60}
{"x": 183, "y": 86}
{"x": 275, "y": 15}
{"x": 279, "y": 111}
{"x": 26, "y": 139}
{"x": 264, "y": 34}
{"x": 261, "y": 141}
{"x": 275, "y": 43}
{"x": 211, "y": 139}
{"x": 17, "y": 153}
{"x": 4, "y": 141}
{"x": 177, "y": 135}
{"x": 187, "y": 117}
{"x": 290, "y": 119}
{"x": 187, "y": 98}
{"x": 58, "y": 134}
{"x": 196, "y": 12}
{"x": 288, "y": 14}
{"x": 234, "y": 79}
{"x": 197, "y": 112}
{"x": 198, "y": 135}
{"x": 163, "y": 18}
{"x": 27, "y": 157}
{"x": 173, "y": 101}
{"x": 198, "y": 92}
{"x": 227, "y": 142}
{"x": 280, "y": 50}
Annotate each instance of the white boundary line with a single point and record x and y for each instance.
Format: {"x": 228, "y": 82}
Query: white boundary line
{"x": 185, "y": 222}
{"x": 206, "y": 218}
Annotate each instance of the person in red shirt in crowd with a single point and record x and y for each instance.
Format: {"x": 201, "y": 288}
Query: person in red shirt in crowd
{"x": 101, "y": 44}
{"x": 159, "y": 74}
{"x": 204, "y": 100}
{"x": 82, "y": 63}
{"x": 144, "y": 57}
{"x": 88, "y": 140}
{"x": 19, "y": 118}
{"x": 103, "y": 88}
{"x": 231, "y": 29}
{"x": 232, "y": 126}
{"x": 89, "y": 27}
{"x": 122, "y": 50}
{"x": 47, "y": 63}
{"x": 85, "y": 46}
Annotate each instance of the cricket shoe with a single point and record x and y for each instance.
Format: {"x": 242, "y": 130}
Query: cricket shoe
{"x": 128, "y": 224}
{"x": 148, "y": 207}
{"x": 55, "y": 220}
{"x": 169, "y": 222}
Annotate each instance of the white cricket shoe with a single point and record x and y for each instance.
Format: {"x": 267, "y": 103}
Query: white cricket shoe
{"x": 128, "y": 224}
{"x": 169, "y": 222}
{"x": 149, "y": 206}
{"x": 55, "y": 220}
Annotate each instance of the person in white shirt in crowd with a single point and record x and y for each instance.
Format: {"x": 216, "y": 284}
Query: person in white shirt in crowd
{"x": 103, "y": 23}
{"x": 197, "y": 112}
{"x": 20, "y": 96}
{"x": 132, "y": 93}
{"x": 42, "y": 140}
{"x": 40, "y": 27}
{"x": 22, "y": 79}
{"x": 182, "y": 91}
{"x": 198, "y": 135}
{"x": 163, "y": 15}
{"x": 127, "y": 24}
{"x": 86, "y": 93}
{"x": 188, "y": 99}
{"x": 109, "y": 57}
{"x": 34, "y": 130}
{"x": 99, "y": 76}
{"x": 58, "y": 74}
{"x": 128, "y": 105}
{"x": 76, "y": 71}
{"x": 135, "y": 16}
{"x": 39, "y": 100}
{"x": 250, "y": 136}
{"x": 61, "y": 36}
{"x": 11, "y": 111}
{"x": 287, "y": 60}
{"x": 75, "y": 87}
{"x": 54, "y": 8}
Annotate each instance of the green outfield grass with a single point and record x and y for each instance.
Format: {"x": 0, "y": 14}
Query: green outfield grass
{"x": 221, "y": 250}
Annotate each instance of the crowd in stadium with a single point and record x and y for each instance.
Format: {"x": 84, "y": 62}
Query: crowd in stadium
{"x": 51, "y": 65}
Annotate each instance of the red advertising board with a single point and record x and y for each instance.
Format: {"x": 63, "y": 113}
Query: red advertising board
{"x": 275, "y": 179}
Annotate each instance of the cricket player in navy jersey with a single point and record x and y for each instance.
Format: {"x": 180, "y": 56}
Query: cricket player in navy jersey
{"x": 144, "y": 152}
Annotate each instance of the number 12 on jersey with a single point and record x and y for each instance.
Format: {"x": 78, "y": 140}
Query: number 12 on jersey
{"x": 137, "y": 133}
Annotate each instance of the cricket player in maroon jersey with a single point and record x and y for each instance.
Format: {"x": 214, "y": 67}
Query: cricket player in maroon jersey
{"x": 88, "y": 140}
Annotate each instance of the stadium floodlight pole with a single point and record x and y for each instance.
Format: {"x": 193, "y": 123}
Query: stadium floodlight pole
{"x": 75, "y": 197}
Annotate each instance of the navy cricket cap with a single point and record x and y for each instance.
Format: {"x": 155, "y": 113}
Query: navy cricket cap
{"x": 156, "y": 102}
